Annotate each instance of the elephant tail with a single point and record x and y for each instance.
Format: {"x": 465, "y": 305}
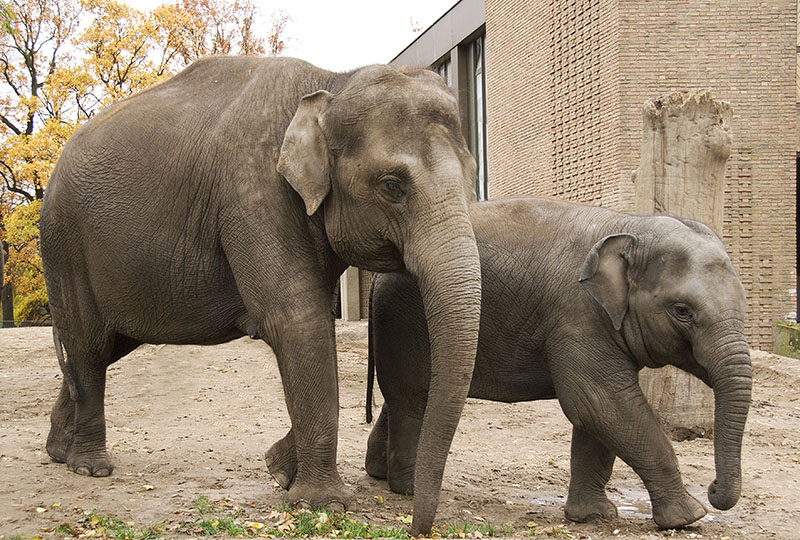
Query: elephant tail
{"x": 74, "y": 386}
{"x": 370, "y": 355}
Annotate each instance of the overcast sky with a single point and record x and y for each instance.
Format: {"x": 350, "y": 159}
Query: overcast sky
{"x": 347, "y": 34}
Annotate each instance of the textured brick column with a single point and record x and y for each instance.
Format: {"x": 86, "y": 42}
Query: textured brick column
{"x": 686, "y": 142}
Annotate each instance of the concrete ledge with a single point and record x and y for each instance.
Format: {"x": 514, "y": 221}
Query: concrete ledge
{"x": 787, "y": 339}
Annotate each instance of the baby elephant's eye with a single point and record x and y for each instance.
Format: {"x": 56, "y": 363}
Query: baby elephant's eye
{"x": 392, "y": 189}
{"x": 683, "y": 312}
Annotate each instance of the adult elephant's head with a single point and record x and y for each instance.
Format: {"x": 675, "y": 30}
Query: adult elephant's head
{"x": 386, "y": 163}
{"x": 675, "y": 296}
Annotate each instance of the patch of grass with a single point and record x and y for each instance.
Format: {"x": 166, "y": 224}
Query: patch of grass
{"x": 328, "y": 524}
{"x": 65, "y": 529}
{"x": 550, "y": 532}
{"x": 111, "y": 527}
{"x": 203, "y": 506}
{"x": 220, "y": 518}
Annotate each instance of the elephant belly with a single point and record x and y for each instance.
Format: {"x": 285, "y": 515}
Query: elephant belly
{"x": 511, "y": 383}
{"x": 171, "y": 299}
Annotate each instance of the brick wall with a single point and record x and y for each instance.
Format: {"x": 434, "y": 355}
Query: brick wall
{"x": 566, "y": 81}
{"x": 553, "y": 107}
{"x": 744, "y": 52}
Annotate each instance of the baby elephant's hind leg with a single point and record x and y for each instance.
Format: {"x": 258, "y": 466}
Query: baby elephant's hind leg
{"x": 401, "y": 457}
{"x": 375, "y": 462}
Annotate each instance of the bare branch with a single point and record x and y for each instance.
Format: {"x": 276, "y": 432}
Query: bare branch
{"x": 10, "y": 125}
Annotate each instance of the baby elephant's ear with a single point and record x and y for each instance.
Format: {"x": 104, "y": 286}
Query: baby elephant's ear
{"x": 304, "y": 154}
{"x": 604, "y": 274}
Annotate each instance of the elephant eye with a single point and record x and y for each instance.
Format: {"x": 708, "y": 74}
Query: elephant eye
{"x": 392, "y": 189}
{"x": 683, "y": 312}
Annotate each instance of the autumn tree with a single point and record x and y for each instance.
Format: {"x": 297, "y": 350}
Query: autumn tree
{"x": 62, "y": 60}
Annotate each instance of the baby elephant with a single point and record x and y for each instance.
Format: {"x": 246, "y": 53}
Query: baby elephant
{"x": 576, "y": 300}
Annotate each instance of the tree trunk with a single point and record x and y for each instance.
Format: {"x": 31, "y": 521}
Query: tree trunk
{"x": 686, "y": 142}
{"x": 6, "y": 294}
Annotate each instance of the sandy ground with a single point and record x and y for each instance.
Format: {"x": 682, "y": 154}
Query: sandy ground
{"x": 191, "y": 421}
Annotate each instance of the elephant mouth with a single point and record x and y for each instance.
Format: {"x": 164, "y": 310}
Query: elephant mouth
{"x": 383, "y": 258}
{"x": 694, "y": 368}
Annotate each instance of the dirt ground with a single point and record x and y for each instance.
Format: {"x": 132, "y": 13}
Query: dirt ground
{"x": 191, "y": 421}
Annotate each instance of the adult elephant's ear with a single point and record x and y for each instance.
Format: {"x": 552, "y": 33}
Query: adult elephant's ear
{"x": 605, "y": 274}
{"x": 304, "y": 154}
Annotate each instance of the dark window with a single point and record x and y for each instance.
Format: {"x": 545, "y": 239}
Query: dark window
{"x": 476, "y": 84}
{"x": 445, "y": 72}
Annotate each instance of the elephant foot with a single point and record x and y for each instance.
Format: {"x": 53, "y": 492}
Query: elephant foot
{"x": 677, "y": 514}
{"x": 58, "y": 445}
{"x": 401, "y": 479}
{"x": 306, "y": 496}
{"x": 583, "y": 509}
{"x": 90, "y": 464}
{"x": 376, "y": 465}
{"x": 282, "y": 461}
{"x": 375, "y": 462}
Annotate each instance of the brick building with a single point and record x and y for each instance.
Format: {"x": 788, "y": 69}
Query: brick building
{"x": 551, "y": 93}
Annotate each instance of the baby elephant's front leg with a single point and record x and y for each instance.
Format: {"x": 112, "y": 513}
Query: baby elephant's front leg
{"x": 591, "y": 464}
{"x": 612, "y": 417}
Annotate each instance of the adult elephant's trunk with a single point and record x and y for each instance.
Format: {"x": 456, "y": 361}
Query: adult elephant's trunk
{"x": 443, "y": 257}
{"x": 727, "y": 359}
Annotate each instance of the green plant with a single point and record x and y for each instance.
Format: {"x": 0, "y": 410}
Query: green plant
{"x": 111, "y": 527}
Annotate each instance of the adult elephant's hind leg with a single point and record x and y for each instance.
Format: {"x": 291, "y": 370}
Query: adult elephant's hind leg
{"x": 282, "y": 460}
{"x": 88, "y": 455}
{"x": 591, "y": 464}
{"x": 62, "y": 425}
{"x": 306, "y": 353}
{"x": 78, "y": 428}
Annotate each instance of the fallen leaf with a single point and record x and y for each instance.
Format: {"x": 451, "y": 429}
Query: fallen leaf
{"x": 407, "y": 519}
{"x": 379, "y": 498}
{"x": 40, "y": 509}
{"x": 148, "y": 487}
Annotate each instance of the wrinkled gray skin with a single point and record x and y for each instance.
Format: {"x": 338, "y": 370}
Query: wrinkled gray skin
{"x": 228, "y": 200}
{"x": 576, "y": 300}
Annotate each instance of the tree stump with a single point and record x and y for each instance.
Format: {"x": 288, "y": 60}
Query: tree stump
{"x": 686, "y": 142}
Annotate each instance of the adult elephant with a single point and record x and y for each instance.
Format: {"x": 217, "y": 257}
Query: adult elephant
{"x": 229, "y": 199}
{"x": 576, "y": 300}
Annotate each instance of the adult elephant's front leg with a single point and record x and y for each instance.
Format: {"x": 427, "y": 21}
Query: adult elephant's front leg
{"x": 591, "y": 464}
{"x": 306, "y": 353}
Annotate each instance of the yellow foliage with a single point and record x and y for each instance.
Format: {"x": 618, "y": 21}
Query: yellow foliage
{"x": 24, "y": 264}
{"x": 54, "y": 76}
